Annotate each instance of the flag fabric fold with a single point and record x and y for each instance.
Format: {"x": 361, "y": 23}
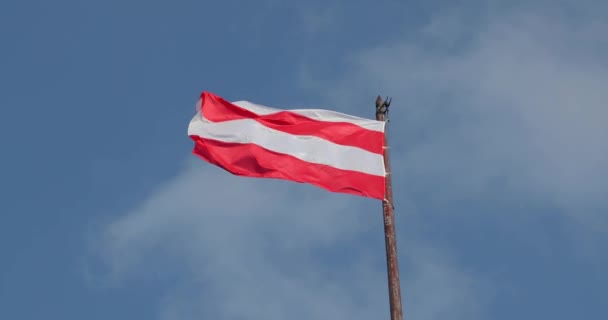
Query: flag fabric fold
{"x": 331, "y": 150}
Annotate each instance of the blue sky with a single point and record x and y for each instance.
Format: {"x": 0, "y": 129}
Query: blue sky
{"x": 498, "y": 137}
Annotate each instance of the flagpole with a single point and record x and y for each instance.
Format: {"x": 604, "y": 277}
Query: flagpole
{"x": 394, "y": 287}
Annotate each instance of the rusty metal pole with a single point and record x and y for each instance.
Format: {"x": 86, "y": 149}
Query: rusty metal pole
{"x": 394, "y": 286}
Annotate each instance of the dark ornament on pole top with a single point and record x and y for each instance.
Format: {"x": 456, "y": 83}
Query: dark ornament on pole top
{"x": 382, "y": 106}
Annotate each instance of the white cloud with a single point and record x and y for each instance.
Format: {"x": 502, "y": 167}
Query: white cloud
{"x": 262, "y": 249}
{"x": 517, "y": 102}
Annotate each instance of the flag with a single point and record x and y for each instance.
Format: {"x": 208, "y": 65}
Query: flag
{"x": 331, "y": 150}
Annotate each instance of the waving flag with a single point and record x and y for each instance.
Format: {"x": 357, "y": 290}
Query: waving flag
{"x": 331, "y": 150}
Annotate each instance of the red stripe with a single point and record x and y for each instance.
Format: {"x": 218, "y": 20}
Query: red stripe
{"x": 251, "y": 160}
{"x": 216, "y": 109}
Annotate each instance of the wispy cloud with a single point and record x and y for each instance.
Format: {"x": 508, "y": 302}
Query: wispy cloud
{"x": 510, "y": 105}
{"x": 264, "y": 249}
{"x": 512, "y": 110}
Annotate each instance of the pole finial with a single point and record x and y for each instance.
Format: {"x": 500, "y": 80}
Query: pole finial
{"x": 382, "y": 106}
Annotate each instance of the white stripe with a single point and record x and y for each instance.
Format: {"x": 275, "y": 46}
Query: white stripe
{"x": 316, "y": 114}
{"x": 307, "y": 148}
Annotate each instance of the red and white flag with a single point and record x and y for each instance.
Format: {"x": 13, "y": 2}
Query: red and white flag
{"x": 331, "y": 150}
